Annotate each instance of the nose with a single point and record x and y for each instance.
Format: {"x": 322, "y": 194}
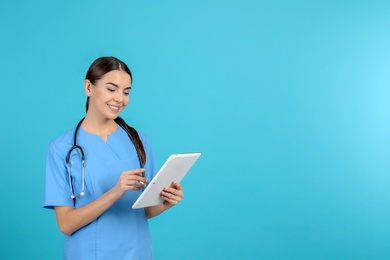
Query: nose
{"x": 118, "y": 98}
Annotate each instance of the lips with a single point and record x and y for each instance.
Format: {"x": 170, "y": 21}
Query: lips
{"x": 114, "y": 109}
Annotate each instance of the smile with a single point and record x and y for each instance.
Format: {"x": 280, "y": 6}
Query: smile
{"x": 114, "y": 108}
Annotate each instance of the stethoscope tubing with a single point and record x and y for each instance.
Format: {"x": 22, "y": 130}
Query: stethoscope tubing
{"x": 78, "y": 147}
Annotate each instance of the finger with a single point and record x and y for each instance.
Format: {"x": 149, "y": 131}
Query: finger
{"x": 139, "y": 172}
{"x": 174, "y": 191}
{"x": 128, "y": 186}
{"x": 134, "y": 187}
{"x": 176, "y": 185}
{"x": 127, "y": 181}
{"x": 144, "y": 182}
{"x": 170, "y": 198}
{"x": 173, "y": 194}
{"x": 131, "y": 183}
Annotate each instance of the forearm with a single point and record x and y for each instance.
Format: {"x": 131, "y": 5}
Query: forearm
{"x": 70, "y": 219}
{"x": 155, "y": 210}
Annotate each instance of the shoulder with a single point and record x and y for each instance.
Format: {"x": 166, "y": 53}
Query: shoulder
{"x": 62, "y": 142}
{"x": 144, "y": 138}
{"x": 142, "y": 135}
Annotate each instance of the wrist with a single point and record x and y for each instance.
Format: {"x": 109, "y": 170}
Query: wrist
{"x": 114, "y": 194}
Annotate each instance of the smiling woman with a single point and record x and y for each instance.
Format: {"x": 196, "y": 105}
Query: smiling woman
{"x": 92, "y": 200}
{"x": 107, "y": 97}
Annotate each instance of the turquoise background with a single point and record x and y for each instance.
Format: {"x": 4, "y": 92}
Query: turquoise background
{"x": 288, "y": 101}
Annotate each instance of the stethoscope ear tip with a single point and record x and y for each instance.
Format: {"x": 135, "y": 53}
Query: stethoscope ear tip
{"x": 82, "y": 193}
{"x": 73, "y": 196}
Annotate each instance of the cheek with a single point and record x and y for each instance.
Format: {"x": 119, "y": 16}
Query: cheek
{"x": 126, "y": 100}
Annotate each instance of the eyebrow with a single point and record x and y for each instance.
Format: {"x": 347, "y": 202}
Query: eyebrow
{"x": 115, "y": 85}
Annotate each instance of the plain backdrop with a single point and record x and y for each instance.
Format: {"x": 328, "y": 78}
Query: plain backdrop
{"x": 288, "y": 101}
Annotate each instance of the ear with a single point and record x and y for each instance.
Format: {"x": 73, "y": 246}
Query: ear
{"x": 87, "y": 87}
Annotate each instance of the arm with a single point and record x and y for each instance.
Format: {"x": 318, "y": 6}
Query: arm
{"x": 172, "y": 195}
{"x": 70, "y": 219}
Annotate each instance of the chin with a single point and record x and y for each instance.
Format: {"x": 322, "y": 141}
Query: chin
{"x": 114, "y": 117}
{"x": 111, "y": 117}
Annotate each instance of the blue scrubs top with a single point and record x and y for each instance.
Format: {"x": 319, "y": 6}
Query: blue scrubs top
{"x": 120, "y": 232}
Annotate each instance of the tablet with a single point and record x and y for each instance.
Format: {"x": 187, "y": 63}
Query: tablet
{"x": 173, "y": 169}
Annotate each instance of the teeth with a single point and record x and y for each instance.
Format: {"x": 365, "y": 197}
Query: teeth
{"x": 114, "y": 107}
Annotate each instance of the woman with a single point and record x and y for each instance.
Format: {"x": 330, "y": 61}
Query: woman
{"x": 93, "y": 203}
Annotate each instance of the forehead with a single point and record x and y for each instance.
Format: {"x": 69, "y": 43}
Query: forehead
{"x": 117, "y": 77}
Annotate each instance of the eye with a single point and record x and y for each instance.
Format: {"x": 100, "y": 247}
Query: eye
{"x": 126, "y": 93}
{"x": 111, "y": 89}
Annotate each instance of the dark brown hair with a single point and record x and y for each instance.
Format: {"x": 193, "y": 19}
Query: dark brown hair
{"x": 96, "y": 71}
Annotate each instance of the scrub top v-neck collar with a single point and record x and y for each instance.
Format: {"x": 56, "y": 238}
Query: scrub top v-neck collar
{"x": 98, "y": 136}
{"x": 108, "y": 148}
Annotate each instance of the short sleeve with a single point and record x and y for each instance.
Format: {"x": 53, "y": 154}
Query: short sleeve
{"x": 57, "y": 189}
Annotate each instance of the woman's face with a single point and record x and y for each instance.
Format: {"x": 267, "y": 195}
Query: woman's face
{"x": 110, "y": 95}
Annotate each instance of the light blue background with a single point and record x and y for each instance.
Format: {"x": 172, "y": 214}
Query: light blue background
{"x": 288, "y": 101}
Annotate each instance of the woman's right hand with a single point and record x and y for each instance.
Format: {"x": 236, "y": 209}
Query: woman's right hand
{"x": 130, "y": 180}
{"x": 70, "y": 219}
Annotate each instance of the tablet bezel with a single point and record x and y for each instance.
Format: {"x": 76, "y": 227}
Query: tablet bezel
{"x": 174, "y": 169}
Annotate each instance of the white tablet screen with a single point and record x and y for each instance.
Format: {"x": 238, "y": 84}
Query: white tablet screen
{"x": 174, "y": 169}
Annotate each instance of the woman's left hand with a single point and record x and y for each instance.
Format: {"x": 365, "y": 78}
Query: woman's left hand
{"x": 172, "y": 195}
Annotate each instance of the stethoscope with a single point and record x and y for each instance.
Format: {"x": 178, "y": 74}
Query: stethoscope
{"x": 78, "y": 147}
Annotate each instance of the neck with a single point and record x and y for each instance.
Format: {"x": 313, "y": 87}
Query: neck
{"x": 99, "y": 126}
